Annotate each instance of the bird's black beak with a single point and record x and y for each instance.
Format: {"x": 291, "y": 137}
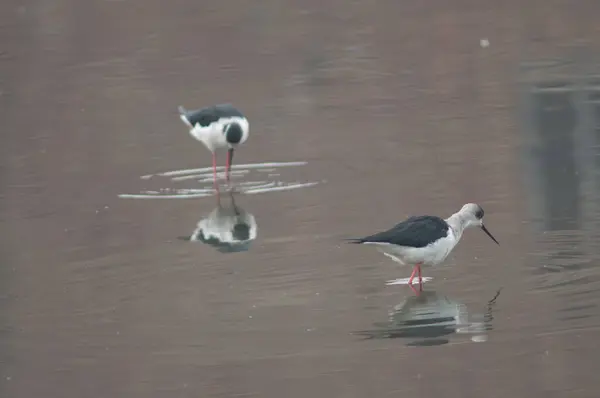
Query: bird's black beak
{"x": 230, "y": 157}
{"x": 488, "y": 233}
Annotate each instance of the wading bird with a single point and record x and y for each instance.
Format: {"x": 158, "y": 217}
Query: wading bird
{"x": 217, "y": 127}
{"x": 425, "y": 240}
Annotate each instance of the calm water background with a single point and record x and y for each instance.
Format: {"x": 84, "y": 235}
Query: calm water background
{"x": 397, "y": 109}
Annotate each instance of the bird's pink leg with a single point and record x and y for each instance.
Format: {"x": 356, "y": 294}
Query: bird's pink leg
{"x": 416, "y": 269}
{"x": 412, "y": 276}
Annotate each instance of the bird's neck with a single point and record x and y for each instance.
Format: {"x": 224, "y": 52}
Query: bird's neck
{"x": 458, "y": 224}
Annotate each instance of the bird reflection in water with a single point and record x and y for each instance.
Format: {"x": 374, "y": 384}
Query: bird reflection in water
{"x": 431, "y": 319}
{"x": 228, "y": 229}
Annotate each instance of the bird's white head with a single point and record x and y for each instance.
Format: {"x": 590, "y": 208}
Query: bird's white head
{"x": 471, "y": 215}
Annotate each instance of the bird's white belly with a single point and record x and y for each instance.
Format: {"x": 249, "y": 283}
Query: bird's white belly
{"x": 211, "y": 137}
{"x": 432, "y": 254}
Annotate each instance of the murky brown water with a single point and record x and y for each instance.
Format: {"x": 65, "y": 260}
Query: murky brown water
{"x": 397, "y": 109}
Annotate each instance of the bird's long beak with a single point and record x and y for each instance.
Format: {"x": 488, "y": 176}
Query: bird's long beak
{"x": 230, "y": 157}
{"x": 488, "y": 233}
{"x": 228, "y": 164}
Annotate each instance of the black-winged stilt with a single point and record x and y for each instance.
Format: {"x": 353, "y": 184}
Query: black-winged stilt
{"x": 218, "y": 126}
{"x": 426, "y": 240}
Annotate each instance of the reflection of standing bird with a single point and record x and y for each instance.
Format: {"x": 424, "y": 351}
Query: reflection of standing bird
{"x": 428, "y": 315}
{"x": 426, "y": 240}
{"x": 228, "y": 229}
{"x": 217, "y": 126}
{"x": 432, "y": 318}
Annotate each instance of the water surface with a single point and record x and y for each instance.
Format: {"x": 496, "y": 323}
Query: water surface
{"x": 392, "y": 109}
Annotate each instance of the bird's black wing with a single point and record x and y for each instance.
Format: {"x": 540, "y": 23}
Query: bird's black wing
{"x": 416, "y": 231}
{"x": 206, "y": 116}
{"x": 228, "y": 110}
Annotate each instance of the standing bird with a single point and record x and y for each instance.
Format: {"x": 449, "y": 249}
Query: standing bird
{"x": 217, "y": 126}
{"x": 426, "y": 240}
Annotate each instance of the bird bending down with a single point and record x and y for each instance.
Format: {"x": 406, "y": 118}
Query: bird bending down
{"x": 217, "y": 127}
{"x": 426, "y": 240}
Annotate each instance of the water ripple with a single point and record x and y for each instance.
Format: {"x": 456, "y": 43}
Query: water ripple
{"x": 267, "y": 181}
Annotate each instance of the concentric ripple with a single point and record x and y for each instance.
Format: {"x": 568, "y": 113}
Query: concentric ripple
{"x": 259, "y": 178}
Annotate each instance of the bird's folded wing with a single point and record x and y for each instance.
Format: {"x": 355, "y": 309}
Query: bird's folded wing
{"x": 418, "y": 231}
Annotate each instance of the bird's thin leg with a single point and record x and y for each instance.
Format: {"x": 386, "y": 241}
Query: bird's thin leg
{"x": 420, "y": 278}
{"x": 412, "y": 276}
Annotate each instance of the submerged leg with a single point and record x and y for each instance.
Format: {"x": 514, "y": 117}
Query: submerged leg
{"x": 415, "y": 291}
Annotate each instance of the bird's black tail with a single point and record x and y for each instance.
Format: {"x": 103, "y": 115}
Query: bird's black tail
{"x": 354, "y": 240}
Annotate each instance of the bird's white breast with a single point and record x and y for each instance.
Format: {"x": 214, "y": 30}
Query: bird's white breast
{"x": 432, "y": 254}
{"x": 437, "y": 252}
